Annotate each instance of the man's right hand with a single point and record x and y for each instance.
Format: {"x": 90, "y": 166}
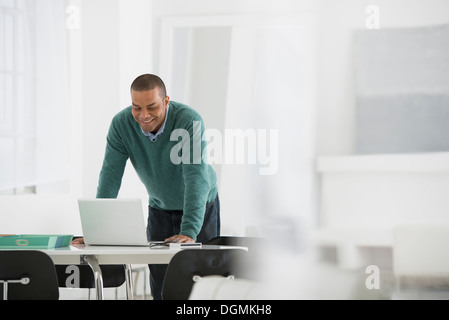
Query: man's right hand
{"x": 78, "y": 241}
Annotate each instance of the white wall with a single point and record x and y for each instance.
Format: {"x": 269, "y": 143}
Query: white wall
{"x": 164, "y": 8}
{"x": 338, "y": 20}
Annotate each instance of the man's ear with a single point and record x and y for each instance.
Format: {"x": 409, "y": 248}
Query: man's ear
{"x": 166, "y": 101}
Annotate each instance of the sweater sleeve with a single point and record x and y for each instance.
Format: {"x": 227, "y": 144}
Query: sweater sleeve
{"x": 113, "y": 164}
{"x": 196, "y": 183}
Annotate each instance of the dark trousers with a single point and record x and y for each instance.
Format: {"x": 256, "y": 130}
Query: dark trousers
{"x": 163, "y": 224}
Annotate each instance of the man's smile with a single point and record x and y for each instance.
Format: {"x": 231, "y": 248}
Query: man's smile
{"x": 147, "y": 121}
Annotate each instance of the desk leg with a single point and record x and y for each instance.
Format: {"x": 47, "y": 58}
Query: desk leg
{"x": 129, "y": 282}
{"x": 92, "y": 261}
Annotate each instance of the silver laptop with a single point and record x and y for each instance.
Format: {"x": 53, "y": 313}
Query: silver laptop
{"x": 113, "y": 222}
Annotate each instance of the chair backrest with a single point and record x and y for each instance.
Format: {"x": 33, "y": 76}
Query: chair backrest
{"x": 257, "y": 248}
{"x": 188, "y": 264}
{"x": 249, "y": 242}
{"x": 35, "y": 266}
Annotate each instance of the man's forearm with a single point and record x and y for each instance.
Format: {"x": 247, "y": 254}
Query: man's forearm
{"x": 111, "y": 174}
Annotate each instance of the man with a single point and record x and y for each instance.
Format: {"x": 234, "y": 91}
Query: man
{"x": 183, "y": 198}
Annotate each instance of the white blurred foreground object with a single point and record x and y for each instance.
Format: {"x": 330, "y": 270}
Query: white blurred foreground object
{"x": 421, "y": 262}
{"x": 222, "y": 288}
{"x": 363, "y": 197}
{"x": 421, "y": 250}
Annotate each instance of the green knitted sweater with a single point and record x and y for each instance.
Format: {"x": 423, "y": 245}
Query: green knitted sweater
{"x": 187, "y": 186}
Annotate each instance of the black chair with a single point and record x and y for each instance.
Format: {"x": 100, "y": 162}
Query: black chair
{"x": 256, "y": 248}
{"x": 113, "y": 276}
{"x": 252, "y": 243}
{"x": 27, "y": 275}
{"x": 189, "y": 264}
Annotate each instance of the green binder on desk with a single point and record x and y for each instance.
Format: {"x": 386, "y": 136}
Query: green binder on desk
{"x": 34, "y": 241}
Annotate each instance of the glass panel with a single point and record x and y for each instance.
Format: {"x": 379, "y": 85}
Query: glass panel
{"x": 6, "y": 100}
{"x": 28, "y": 5}
{"x": 2, "y": 101}
{"x": 9, "y": 42}
{"x": 25, "y": 155}
{"x": 22, "y": 110}
{"x": 2, "y": 41}
{"x": 7, "y": 163}
{"x": 7, "y": 3}
{"x": 25, "y": 105}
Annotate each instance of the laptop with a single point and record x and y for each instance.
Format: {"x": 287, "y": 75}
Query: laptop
{"x": 113, "y": 222}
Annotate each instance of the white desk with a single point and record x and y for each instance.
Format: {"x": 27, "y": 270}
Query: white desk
{"x": 94, "y": 256}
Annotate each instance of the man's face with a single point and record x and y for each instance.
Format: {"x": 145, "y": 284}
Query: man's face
{"x": 149, "y": 109}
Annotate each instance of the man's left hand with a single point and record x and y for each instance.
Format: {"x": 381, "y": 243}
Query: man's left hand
{"x": 179, "y": 238}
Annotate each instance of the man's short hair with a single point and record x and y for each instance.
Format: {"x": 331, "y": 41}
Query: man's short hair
{"x": 147, "y": 82}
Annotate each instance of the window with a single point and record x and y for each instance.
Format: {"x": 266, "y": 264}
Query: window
{"x": 33, "y": 63}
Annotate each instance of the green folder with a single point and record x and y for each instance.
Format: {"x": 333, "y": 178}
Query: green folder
{"x": 35, "y": 241}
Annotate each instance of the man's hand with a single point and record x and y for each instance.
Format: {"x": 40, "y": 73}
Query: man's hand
{"x": 77, "y": 241}
{"x": 179, "y": 238}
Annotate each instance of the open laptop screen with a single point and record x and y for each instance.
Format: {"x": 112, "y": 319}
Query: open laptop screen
{"x": 118, "y": 222}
